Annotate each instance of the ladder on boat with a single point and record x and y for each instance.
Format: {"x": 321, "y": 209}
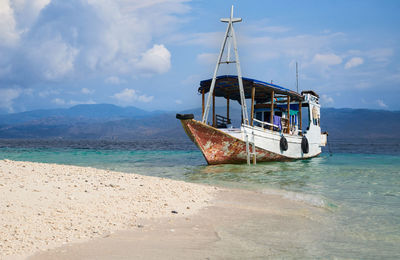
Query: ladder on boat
{"x": 251, "y": 154}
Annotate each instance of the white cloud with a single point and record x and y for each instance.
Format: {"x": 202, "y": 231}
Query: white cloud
{"x": 48, "y": 92}
{"x": 208, "y": 39}
{"x": 381, "y": 55}
{"x": 363, "y": 85}
{"x": 53, "y": 57}
{"x": 395, "y": 77}
{"x": 74, "y": 102}
{"x": 326, "y": 59}
{"x": 8, "y": 95}
{"x": 26, "y": 12}
{"x": 8, "y": 34}
{"x": 191, "y": 80}
{"x": 55, "y": 39}
{"x": 62, "y": 102}
{"x": 155, "y": 60}
{"x": 207, "y": 58}
{"x": 114, "y": 80}
{"x": 260, "y": 48}
{"x": 274, "y": 29}
{"x": 327, "y": 100}
{"x": 353, "y": 62}
{"x": 178, "y": 101}
{"x": 381, "y": 103}
{"x": 87, "y": 91}
{"x": 28, "y": 91}
{"x": 129, "y": 96}
{"x": 58, "y": 101}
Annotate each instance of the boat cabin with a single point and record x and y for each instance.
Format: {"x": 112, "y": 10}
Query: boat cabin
{"x": 272, "y": 107}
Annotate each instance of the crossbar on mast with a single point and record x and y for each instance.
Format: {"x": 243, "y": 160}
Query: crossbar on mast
{"x": 230, "y": 33}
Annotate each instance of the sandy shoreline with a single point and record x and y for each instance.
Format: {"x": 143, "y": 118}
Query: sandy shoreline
{"x": 238, "y": 224}
{"x": 50, "y": 211}
{"x": 44, "y": 206}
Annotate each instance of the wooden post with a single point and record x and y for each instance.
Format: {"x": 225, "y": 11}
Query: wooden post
{"x": 202, "y": 103}
{"x": 213, "y": 97}
{"x": 253, "y": 93}
{"x": 288, "y": 114}
{"x": 271, "y": 121}
{"x": 300, "y": 121}
{"x": 227, "y": 107}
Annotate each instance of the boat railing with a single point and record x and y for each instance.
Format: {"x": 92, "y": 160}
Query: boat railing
{"x": 222, "y": 121}
{"x": 265, "y": 123}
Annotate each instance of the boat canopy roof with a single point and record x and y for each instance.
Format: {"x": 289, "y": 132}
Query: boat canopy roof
{"x": 227, "y": 86}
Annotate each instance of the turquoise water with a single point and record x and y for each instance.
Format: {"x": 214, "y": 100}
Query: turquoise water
{"x": 361, "y": 192}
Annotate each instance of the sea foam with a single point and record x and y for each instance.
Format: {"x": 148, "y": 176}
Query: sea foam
{"x": 310, "y": 199}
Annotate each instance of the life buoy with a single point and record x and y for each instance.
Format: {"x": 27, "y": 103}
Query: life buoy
{"x": 184, "y": 116}
{"x": 304, "y": 145}
{"x": 283, "y": 143}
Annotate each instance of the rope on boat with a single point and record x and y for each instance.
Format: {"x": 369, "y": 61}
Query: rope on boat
{"x": 329, "y": 147}
{"x": 329, "y": 144}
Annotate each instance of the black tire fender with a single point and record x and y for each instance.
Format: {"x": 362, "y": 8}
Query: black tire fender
{"x": 283, "y": 143}
{"x": 184, "y": 116}
{"x": 304, "y": 145}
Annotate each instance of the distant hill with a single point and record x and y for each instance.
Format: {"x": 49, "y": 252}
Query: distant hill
{"x": 91, "y": 112}
{"x": 104, "y": 121}
{"x": 360, "y": 123}
{"x": 98, "y": 121}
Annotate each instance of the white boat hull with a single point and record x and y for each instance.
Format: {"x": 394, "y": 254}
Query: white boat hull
{"x": 229, "y": 145}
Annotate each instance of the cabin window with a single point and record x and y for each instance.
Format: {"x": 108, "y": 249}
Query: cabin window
{"x": 262, "y": 116}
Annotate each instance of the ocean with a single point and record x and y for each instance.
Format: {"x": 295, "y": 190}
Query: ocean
{"x": 358, "y": 184}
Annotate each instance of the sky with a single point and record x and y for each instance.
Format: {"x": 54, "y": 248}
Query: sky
{"x": 152, "y": 54}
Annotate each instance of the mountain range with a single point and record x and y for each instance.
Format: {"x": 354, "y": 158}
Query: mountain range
{"x": 105, "y": 121}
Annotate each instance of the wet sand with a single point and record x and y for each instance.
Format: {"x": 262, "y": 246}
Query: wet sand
{"x": 237, "y": 225}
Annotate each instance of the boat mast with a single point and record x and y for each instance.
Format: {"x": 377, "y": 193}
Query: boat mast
{"x": 231, "y": 36}
{"x": 297, "y": 78}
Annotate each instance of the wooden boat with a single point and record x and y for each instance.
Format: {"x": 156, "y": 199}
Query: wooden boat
{"x": 274, "y": 131}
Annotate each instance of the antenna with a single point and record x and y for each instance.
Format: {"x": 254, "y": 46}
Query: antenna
{"x": 297, "y": 78}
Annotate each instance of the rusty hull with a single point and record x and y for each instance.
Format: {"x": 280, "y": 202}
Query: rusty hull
{"x": 221, "y": 148}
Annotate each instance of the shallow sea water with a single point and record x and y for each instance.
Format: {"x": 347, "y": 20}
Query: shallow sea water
{"x": 360, "y": 191}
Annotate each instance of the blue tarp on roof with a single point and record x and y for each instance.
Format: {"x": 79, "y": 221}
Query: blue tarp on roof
{"x": 227, "y": 86}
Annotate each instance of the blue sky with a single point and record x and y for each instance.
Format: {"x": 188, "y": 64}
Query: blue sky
{"x": 152, "y": 54}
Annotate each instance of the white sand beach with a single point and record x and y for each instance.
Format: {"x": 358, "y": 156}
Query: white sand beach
{"x": 44, "y": 206}
{"x": 50, "y": 211}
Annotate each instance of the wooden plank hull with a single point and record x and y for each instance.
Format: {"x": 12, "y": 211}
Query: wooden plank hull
{"x": 221, "y": 148}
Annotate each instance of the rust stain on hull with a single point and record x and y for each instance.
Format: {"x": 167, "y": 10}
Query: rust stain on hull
{"x": 221, "y": 148}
